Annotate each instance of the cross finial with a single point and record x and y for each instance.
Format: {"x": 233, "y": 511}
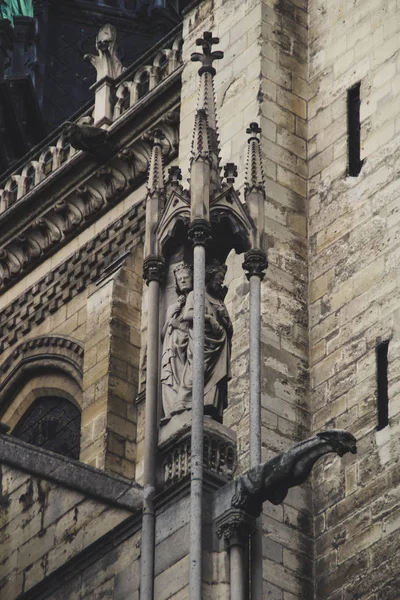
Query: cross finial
{"x": 253, "y": 130}
{"x": 230, "y": 172}
{"x": 175, "y": 175}
{"x": 208, "y": 56}
{"x": 156, "y": 136}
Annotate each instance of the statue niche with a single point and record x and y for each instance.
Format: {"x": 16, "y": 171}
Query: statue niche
{"x": 177, "y": 353}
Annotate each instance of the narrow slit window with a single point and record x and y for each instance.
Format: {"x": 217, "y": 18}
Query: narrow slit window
{"x": 354, "y": 130}
{"x": 382, "y": 384}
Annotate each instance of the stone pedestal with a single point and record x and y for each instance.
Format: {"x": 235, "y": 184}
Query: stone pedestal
{"x": 174, "y": 450}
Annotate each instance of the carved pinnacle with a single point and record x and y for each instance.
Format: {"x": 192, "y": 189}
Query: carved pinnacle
{"x": 208, "y": 56}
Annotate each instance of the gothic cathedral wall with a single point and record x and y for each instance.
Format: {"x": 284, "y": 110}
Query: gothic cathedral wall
{"x": 354, "y": 228}
{"x": 263, "y": 77}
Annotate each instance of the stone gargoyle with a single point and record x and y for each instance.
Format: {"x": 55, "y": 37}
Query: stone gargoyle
{"x": 271, "y": 481}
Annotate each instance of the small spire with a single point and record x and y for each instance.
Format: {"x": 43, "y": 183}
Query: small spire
{"x": 155, "y": 180}
{"x": 254, "y": 169}
{"x": 205, "y": 120}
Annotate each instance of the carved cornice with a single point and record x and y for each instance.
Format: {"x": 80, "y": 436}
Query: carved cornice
{"x": 70, "y": 278}
{"x": 67, "y": 216}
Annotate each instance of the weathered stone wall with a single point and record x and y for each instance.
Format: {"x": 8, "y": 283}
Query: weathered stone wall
{"x": 263, "y": 77}
{"x": 354, "y": 294}
{"x": 65, "y": 303}
{"x": 44, "y": 524}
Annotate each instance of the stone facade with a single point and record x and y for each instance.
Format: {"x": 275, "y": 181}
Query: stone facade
{"x": 73, "y": 318}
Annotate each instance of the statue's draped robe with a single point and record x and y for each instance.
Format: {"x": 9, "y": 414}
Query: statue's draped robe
{"x": 15, "y": 8}
{"x": 217, "y": 350}
{"x": 173, "y": 359}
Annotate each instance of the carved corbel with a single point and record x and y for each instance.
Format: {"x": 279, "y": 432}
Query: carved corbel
{"x": 71, "y": 214}
{"x": 29, "y": 246}
{"x": 50, "y": 230}
{"x": 113, "y": 181}
{"x": 91, "y": 198}
{"x": 10, "y": 264}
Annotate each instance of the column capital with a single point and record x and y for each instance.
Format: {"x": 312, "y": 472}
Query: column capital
{"x": 255, "y": 263}
{"x": 235, "y": 526}
{"x": 199, "y": 232}
{"x": 153, "y": 268}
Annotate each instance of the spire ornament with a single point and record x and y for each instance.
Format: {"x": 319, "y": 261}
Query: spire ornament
{"x": 208, "y": 56}
{"x": 155, "y": 180}
{"x": 254, "y": 170}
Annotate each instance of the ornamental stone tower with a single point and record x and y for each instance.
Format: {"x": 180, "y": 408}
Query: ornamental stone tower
{"x": 198, "y": 321}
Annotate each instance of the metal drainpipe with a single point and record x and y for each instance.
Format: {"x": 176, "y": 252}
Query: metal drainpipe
{"x": 199, "y": 233}
{"x": 153, "y": 269}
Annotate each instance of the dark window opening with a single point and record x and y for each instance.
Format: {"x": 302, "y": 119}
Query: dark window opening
{"x": 144, "y": 84}
{"x": 52, "y": 423}
{"x": 30, "y": 179}
{"x": 354, "y": 130}
{"x": 48, "y": 163}
{"x": 126, "y": 100}
{"x": 382, "y": 384}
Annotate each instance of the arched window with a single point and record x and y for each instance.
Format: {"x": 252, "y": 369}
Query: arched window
{"x": 30, "y": 179}
{"x": 52, "y": 423}
{"x": 66, "y": 146}
{"x": 163, "y": 66}
{"x": 13, "y": 192}
{"x": 48, "y": 163}
{"x": 126, "y": 99}
{"x": 144, "y": 84}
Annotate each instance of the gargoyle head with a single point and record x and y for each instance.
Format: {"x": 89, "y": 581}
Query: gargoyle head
{"x": 340, "y": 440}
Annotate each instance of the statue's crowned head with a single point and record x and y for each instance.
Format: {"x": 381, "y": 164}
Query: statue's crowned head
{"x": 215, "y": 268}
{"x": 215, "y": 275}
{"x": 183, "y": 278}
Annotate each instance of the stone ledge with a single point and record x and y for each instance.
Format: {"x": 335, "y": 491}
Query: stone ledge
{"x": 72, "y": 474}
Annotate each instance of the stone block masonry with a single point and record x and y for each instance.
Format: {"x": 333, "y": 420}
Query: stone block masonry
{"x": 263, "y": 77}
{"x": 354, "y": 293}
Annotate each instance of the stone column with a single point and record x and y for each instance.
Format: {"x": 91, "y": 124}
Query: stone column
{"x": 235, "y": 527}
{"x": 153, "y": 270}
{"x": 255, "y": 265}
{"x": 199, "y": 233}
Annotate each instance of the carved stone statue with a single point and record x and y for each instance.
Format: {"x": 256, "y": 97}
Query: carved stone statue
{"x": 271, "y": 481}
{"x": 217, "y": 347}
{"x": 175, "y": 342}
{"x": 106, "y": 62}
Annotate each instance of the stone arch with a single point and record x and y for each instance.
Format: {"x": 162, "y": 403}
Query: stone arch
{"x": 46, "y": 365}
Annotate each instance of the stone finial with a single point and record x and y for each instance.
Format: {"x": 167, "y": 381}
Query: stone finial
{"x": 230, "y": 172}
{"x": 106, "y": 61}
{"x": 254, "y": 170}
{"x": 208, "y": 56}
{"x": 174, "y": 175}
{"x": 155, "y": 181}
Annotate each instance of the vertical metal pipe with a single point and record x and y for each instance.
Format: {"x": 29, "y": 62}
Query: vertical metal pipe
{"x": 237, "y": 571}
{"x": 196, "y": 489}
{"x": 151, "y": 427}
{"x": 255, "y": 423}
